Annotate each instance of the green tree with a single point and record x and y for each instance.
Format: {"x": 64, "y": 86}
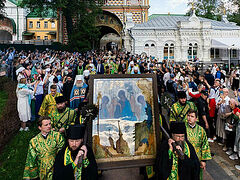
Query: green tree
{"x": 234, "y": 15}
{"x": 80, "y": 18}
{"x": 206, "y": 8}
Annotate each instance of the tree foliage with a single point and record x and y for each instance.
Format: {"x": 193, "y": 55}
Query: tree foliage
{"x": 80, "y": 18}
{"x": 207, "y": 8}
{"x": 234, "y": 15}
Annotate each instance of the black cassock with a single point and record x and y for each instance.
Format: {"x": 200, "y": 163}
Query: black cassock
{"x": 188, "y": 169}
{"x": 62, "y": 172}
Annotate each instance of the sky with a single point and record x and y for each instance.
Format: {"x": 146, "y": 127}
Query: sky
{"x": 165, "y": 6}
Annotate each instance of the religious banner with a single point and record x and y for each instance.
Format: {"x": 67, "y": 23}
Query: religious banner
{"x": 125, "y": 129}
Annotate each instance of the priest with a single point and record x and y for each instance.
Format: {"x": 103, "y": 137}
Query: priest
{"x": 198, "y": 138}
{"x": 169, "y": 165}
{"x": 68, "y": 164}
{"x": 79, "y": 92}
{"x": 42, "y": 151}
{"x": 62, "y": 116}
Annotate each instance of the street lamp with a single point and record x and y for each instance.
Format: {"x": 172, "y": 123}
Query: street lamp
{"x": 229, "y": 58}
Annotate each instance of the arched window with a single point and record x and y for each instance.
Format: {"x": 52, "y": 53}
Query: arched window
{"x": 168, "y": 51}
{"x": 146, "y": 45}
{"x": 152, "y": 45}
{"x": 192, "y": 51}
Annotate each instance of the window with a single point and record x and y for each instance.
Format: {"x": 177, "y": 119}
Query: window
{"x": 168, "y": 51}
{"x": 38, "y": 37}
{"x": 38, "y": 24}
{"x": 146, "y": 45}
{"x": 212, "y": 53}
{"x": 192, "y": 51}
{"x": 53, "y": 24}
{"x": 233, "y": 53}
{"x": 45, "y": 24}
{"x": 30, "y": 24}
{"x": 45, "y": 37}
{"x": 152, "y": 45}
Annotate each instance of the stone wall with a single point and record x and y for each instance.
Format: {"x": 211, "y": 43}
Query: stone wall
{"x": 9, "y": 121}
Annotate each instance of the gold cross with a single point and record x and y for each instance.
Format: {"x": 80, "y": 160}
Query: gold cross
{"x": 193, "y": 5}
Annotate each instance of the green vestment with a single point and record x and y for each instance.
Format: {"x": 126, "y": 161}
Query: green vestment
{"x": 179, "y": 112}
{"x": 41, "y": 155}
{"x": 48, "y": 104}
{"x": 62, "y": 120}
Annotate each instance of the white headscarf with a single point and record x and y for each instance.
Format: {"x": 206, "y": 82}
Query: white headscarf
{"x": 19, "y": 70}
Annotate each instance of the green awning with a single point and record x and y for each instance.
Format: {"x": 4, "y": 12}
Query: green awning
{"x": 27, "y": 33}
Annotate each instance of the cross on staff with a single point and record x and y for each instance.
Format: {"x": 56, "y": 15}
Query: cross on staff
{"x": 193, "y": 5}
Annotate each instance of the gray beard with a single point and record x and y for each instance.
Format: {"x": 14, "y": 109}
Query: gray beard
{"x": 79, "y": 85}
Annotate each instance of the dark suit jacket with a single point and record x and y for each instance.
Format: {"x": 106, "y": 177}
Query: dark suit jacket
{"x": 101, "y": 69}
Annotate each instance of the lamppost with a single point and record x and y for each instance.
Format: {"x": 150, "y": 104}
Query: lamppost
{"x": 229, "y": 57}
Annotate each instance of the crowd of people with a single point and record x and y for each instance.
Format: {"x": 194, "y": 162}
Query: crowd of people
{"x": 53, "y": 86}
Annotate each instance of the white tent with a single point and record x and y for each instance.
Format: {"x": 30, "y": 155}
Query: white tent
{"x": 225, "y": 43}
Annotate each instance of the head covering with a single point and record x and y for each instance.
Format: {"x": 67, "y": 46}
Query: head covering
{"x": 177, "y": 127}
{"x": 181, "y": 94}
{"x": 78, "y": 77}
{"x": 86, "y": 73}
{"x": 19, "y": 70}
{"x": 75, "y": 131}
{"x": 60, "y": 99}
{"x": 204, "y": 92}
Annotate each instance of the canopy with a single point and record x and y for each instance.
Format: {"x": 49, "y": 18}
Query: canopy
{"x": 225, "y": 43}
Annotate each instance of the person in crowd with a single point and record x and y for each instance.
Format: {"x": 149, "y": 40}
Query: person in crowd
{"x": 230, "y": 128}
{"x": 168, "y": 163}
{"x": 49, "y": 103}
{"x": 79, "y": 92}
{"x": 203, "y": 111}
{"x": 62, "y": 116}
{"x": 171, "y": 87}
{"x": 181, "y": 107}
{"x": 24, "y": 96}
{"x": 223, "y": 104}
{"x": 67, "y": 88}
{"x": 100, "y": 67}
{"x": 211, "y": 119}
{"x": 67, "y": 161}
{"x": 198, "y": 138}
{"x": 42, "y": 151}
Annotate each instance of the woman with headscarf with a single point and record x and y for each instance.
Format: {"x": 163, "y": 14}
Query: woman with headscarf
{"x": 24, "y": 95}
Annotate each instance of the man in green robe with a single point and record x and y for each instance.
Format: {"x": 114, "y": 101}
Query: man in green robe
{"x": 63, "y": 116}
{"x": 180, "y": 109}
{"x": 42, "y": 151}
{"x": 197, "y": 137}
{"x": 49, "y": 103}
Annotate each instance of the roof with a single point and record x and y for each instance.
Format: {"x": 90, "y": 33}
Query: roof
{"x": 49, "y": 14}
{"x": 156, "y": 15}
{"x": 170, "y": 22}
{"x": 16, "y": 2}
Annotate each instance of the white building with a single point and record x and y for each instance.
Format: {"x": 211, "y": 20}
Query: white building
{"x": 14, "y": 24}
{"x": 183, "y": 37}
